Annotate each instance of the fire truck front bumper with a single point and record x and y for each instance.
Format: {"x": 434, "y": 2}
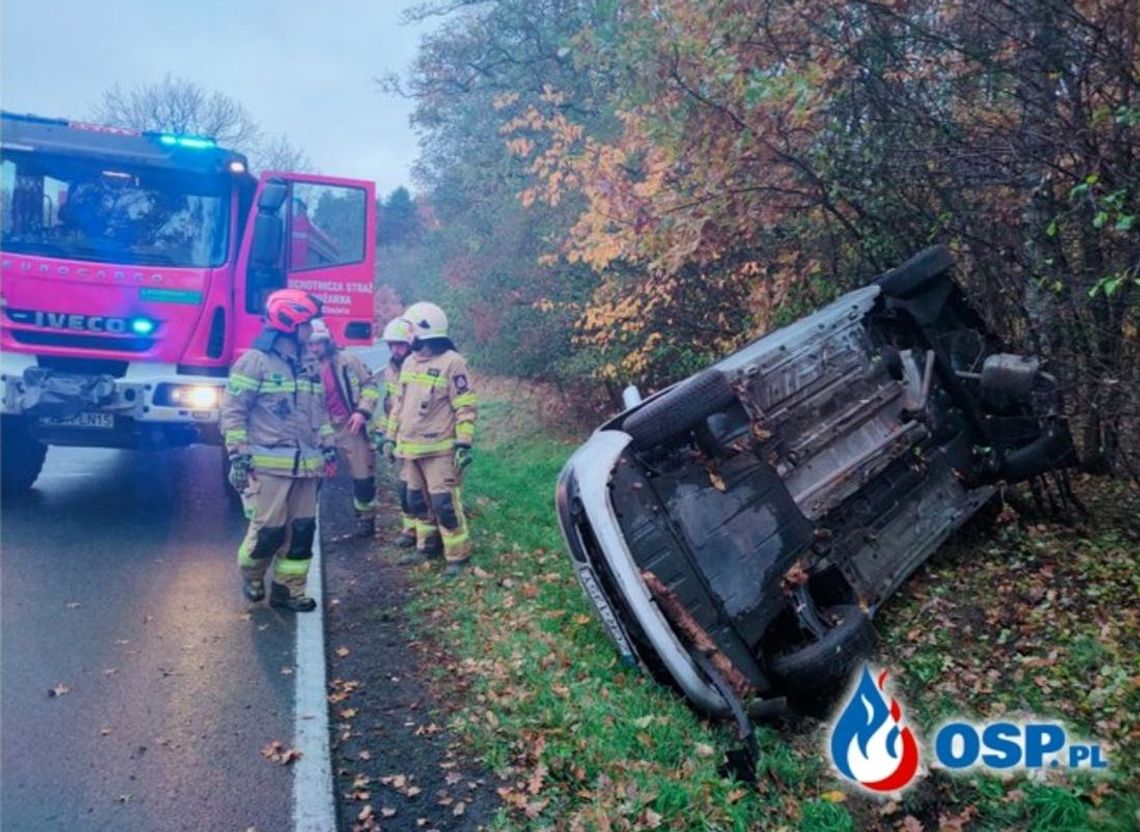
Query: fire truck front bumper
{"x": 148, "y": 406}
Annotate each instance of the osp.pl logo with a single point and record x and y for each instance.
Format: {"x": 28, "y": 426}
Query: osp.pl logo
{"x": 870, "y": 746}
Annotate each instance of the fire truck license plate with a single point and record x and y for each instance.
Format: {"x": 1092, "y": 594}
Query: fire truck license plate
{"x": 83, "y": 420}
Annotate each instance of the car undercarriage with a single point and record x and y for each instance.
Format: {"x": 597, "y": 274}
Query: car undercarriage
{"x": 737, "y": 532}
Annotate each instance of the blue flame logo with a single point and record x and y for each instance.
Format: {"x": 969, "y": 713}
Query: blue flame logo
{"x": 869, "y": 744}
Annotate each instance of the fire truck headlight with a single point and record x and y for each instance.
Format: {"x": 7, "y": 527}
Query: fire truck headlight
{"x": 202, "y": 397}
{"x": 189, "y": 396}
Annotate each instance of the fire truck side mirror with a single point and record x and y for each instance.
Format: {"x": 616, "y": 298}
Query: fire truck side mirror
{"x": 265, "y": 248}
{"x": 272, "y": 196}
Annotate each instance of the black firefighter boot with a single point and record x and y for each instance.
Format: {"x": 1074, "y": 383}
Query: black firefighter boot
{"x": 280, "y": 596}
{"x": 253, "y": 589}
{"x": 433, "y": 550}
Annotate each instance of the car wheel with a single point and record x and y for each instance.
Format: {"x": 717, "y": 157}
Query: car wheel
{"x": 916, "y": 273}
{"x": 21, "y": 459}
{"x": 808, "y": 675}
{"x": 679, "y": 409}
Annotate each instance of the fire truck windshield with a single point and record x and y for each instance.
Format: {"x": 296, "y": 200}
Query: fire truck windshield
{"x": 97, "y": 210}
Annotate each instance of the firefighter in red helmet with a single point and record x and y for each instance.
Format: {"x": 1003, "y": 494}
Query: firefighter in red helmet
{"x": 280, "y": 444}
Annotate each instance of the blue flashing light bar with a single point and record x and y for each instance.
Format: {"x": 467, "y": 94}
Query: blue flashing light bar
{"x": 194, "y": 142}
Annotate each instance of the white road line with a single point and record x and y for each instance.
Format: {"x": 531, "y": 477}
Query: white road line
{"x": 313, "y": 808}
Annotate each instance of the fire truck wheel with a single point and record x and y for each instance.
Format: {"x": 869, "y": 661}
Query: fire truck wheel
{"x": 21, "y": 457}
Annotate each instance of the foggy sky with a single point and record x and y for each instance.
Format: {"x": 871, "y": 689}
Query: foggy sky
{"x": 305, "y": 69}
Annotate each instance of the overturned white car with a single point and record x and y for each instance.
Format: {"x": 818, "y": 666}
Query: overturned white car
{"x": 737, "y": 531}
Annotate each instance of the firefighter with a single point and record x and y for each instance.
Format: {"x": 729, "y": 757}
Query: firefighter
{"x": 398, "y": 336}
{"x": 280, "y": 444}
{"x": 432, "y": 431}
{"x": 351, "y": 399}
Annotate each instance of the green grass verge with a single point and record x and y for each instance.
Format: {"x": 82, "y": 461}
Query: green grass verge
{"x": 1042, "y": 620}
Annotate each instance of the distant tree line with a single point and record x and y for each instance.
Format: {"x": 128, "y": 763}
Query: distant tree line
{"x": 625, "y": 191}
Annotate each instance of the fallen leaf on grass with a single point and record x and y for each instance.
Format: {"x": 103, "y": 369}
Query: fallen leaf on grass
{"x": 365, "y": 813}
{"x": 286, "y": 671}
{"x": 387, "y": 811}
{"x": 453, "y": 777}
{"x": 342, "y": 651}
{"x": 459, "y": 808}
{"x": 412, "y": 791}
{"x": 910, "y": 824}
{"x": 534, "y": 808}
{"x": 365, "y": 754}
{"x": 649, "y": 820}
{"x": 704, "y": 750}
{"x": 58, "y": 690}
{"x": 958, "y": 822}
{"x": 834, "y": 796}
{"x": 347, "y": 713}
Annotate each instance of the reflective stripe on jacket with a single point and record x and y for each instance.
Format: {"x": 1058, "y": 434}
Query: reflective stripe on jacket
{"x": 387, "y": 382}
{"x": 435, "y": 405}
{"x": 273, "y": 408}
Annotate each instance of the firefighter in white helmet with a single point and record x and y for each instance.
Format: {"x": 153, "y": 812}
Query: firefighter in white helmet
{"x": 398, "y": 336}
{"x": 432, "y": 431}
{"x": 352, "y": 399}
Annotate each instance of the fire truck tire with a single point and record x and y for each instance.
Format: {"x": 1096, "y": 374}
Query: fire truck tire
{"x": 21, "y": 457}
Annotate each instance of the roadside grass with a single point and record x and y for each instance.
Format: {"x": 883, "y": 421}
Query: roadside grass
{"x": 1040, "y": 620}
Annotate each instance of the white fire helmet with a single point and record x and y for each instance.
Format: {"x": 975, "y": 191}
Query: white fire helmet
{"x": 398, "y": 331}
{"x": 427, "y": 319}
{"x": 321, "y": 330}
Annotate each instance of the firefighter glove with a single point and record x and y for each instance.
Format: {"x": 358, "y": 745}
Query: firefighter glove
{"x": 241, "y": 465}
{"x": 330, "y": 461}
{"x": 463, "y": 456}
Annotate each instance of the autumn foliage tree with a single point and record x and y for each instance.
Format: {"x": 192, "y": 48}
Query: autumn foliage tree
{"x": 718, "y": 174}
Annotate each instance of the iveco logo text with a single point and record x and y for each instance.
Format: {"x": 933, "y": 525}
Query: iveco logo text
{"x": 81, "y": 323}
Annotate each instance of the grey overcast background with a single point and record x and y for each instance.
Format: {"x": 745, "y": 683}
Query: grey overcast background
{"x": 302, "y": 68}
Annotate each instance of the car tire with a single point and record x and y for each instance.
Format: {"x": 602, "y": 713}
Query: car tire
{"x": 680, "y": 409}
{"x": 807, "y": 675}
{"x": 21, "y": 458}
{"x": 917, "y": 273}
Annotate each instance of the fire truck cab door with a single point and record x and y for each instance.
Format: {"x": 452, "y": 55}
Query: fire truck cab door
{"x": 315, "y": 233}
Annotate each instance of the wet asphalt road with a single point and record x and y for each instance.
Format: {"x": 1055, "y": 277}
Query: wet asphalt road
{"x": 118, "y": 580}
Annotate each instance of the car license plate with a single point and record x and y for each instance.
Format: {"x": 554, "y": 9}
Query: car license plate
{"x": 82, "y": 420}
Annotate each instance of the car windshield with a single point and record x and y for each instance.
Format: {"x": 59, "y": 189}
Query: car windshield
{"x": 82, "y": 209}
